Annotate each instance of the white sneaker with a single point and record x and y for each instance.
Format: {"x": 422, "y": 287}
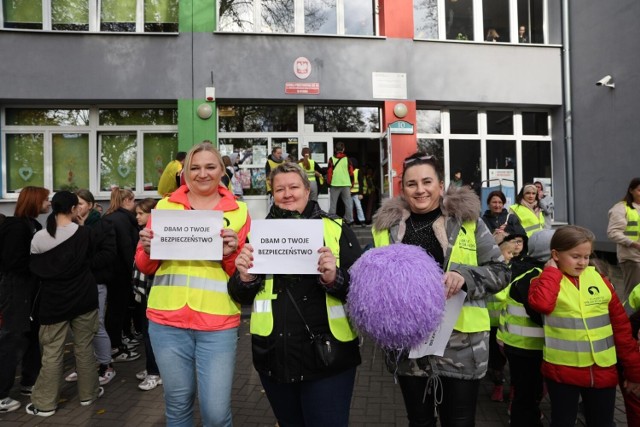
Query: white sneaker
{"x": 150, "y": 382}
{"x": 141, "y": 375}
{"x": 8, "y": 404}
{"x": 72, "y": 377}
{"x": 107, "y": 376}
{"x": 90, "y": 401}
{"x": 32, "y": 410}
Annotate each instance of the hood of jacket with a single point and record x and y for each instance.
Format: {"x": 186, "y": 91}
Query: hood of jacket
{"x": 461, "y": 203}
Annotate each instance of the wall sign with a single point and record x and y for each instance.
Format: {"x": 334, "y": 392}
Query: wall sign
{"x": 302, "y": 68}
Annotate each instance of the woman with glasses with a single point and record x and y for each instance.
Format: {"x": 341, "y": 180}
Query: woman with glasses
{"x": 450, "y": 230}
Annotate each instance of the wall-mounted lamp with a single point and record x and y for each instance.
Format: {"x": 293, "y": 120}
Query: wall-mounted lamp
{"x": 204, "y": 111}
{"x": 400, "y": 110}
{"x": 606, "y": 81}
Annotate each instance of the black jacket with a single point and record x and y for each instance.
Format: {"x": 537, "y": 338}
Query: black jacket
{"x": 495, "y": 221}
{"x": 105, "y": 254}
{"x": 287, "y": 355}
{"x": 127, "y": 234}
{"x": 67, "y": 287}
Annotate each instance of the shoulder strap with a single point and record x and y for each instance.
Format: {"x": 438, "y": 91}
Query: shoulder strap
{"x": 311, "y": 334}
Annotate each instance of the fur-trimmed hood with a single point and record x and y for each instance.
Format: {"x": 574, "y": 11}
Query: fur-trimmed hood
{"x": 461, "y": 203}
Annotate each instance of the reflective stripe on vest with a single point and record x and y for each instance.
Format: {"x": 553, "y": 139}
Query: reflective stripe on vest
{"x": 356, "y": 185}
{"x": 495, "y": 303}
{"x": 529, "y": 221}
{"x": 340, "y": 176}
{"x": 632, "y": 230}
{"x": 262, "y": 315}
{"x": 311, "y": 172}
{"x": 516, "y": 327}
{"x": 578, "y": 332}
{"x": 202, "y": 285}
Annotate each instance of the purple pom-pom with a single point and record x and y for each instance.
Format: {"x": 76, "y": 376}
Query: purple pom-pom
{"x": 396, "y": 295}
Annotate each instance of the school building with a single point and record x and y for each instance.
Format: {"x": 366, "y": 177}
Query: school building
{"x": 95, "y": 94}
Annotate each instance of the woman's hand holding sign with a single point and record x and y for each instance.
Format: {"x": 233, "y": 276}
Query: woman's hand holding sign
{"x": 327, "y": 266}
{"x": 229, "y": 241}
{"x": 146, "y": 234}
{"x": 244, "y": 262}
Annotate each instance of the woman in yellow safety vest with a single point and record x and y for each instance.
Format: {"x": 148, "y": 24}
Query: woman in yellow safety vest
{"x": 586, "y": 332}
{"x": 193, "y": 322}
{"x": 527, "y": 209}
{"x": 287, "y": 309}
{"x": 451, "y": 231}
{"x": 624, "y": 229}
{"x": 313, "y": 171}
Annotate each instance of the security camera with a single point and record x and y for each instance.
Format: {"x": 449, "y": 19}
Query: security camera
{"x": 606, "y": 81}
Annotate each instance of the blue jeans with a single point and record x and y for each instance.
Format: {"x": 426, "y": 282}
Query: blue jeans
{"x": 315, "y": 403}
{"x": 358, "y": 206}
{"x": 191, "y": 361}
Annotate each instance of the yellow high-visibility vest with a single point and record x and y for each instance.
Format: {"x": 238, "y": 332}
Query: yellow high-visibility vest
{"x": 262, "y": 313}
{"x": 340, "y": 176}
{"x": 632, "y": 230}
{"x": 356, "y": 185}
{"x": 202, "y": 285}
{"x": 578, "y": 332}
{"x": 530, "y": 222}
{"x": 272, "y": 166}
{"x": 311, "y": 172}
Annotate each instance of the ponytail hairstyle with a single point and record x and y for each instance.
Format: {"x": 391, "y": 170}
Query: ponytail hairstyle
{"x": 61, "y": 203}
{"x": 628, "y": 197}
{"x": 118, "y": 196}
{"x": 305, "y": 159}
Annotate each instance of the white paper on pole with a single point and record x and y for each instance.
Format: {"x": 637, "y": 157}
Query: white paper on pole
{"x": 286, "y": 246}
{"x": 186, "y": 235}
{"x": 437, "y": 341}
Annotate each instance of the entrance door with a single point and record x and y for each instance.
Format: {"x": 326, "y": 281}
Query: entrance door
{"x": 320, "y": 147}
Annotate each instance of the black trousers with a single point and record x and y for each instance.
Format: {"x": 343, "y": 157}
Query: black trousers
{"x": 599, "y": 404}
{"x": 458, "y": 407}
{"x": 118, "y": 294}
{"x": 15, "y": 347}
{"x": 496, "y": 358}
{"x": 526, "y": 380}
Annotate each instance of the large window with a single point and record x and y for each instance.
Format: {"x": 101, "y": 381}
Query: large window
{"x": 502, "y": 21}
{"x": 488, "y": 147}
{"x": 333, "y": 17}
{"x": 93, "y": 148}
{"x": 153, "y": 16}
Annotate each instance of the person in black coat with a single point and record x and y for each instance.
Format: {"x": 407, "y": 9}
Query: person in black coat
{"x": 18, "y": 289}
{"x": 500, "y": 222}
{"x": 119, "y": 288}
{"x": 299, "y": 386}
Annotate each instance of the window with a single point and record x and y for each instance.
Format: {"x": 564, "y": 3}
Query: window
{"x": 258, "y": 118}
{"x": 342, "y": 119}
{"x": 504, "y": 21}
{"x": 337, "y": 17}
{"x": 59, "y": 148}
{"x": 484, "y": 145}
{"x": 151, "y": 16}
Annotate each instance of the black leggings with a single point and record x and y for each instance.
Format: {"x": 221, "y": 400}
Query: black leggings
{"x": 458, "y": 407}
{"x": 599, "y": 404}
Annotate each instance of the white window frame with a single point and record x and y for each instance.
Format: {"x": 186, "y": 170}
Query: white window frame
{"x": 95, "y": 131}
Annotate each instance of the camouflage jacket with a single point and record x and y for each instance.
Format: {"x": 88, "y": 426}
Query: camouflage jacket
{"x": 467, "y": 354}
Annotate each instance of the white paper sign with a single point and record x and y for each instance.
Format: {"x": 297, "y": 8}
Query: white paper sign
{"x": 437, "y": 341}
{"x": 286, "y": 246}
{"x": 186, "y": 235}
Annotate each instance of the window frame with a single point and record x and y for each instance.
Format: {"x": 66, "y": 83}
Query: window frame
{"x": 94, "y": 20}
{"x": 95, "y": 131}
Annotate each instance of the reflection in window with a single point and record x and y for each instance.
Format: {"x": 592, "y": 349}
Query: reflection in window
{"x": 530, "y": 16}
{"x": 432, "y": 147}
{"x": 278, "y": 16}
{"x": 459, "y": 19}
{"x": 25, "y": 14}
{"x": 464, "y": 156}
{"x": 535, "y": 123}
{"x": 70, "y": 15}
{"x": 289, "y": 147}
{"x": 342, "y": 118}
{"x": 161, "y": 16}
{"x": 320, "y": 17}
{"x": 25, "y": 161}
{"x": 138, "y": 116}
{"x": 258, "y": 118}
{"x": 70, "y": 161}
{"x": 536, "y": 160}
{"x": 252, "y": 156}
{"x": 46, "y": 117}
{"x": 358, "y": 17}
{"x": 500, "y": 122}
{"x": 496, "y": 20}
{"x": 429, "y": 121}
{"x": 118, "y": 161}
{"x": 159, "y": 149}
{"x": 425, "y": 19}
{"x": 235, "y": 15}
{"x": 502, "y": 155}
{"x": 464, "y": 121}
{"x": 118, "y": 15}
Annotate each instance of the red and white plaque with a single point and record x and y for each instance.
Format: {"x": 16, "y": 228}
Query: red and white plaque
{"x": 302, "y": 68}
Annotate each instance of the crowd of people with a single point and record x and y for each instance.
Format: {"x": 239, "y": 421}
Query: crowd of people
{"x": 532, "y": 298}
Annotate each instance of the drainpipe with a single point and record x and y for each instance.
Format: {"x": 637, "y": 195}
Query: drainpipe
{"x": 568, "y": 112}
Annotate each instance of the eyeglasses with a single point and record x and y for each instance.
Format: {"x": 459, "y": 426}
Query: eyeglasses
{"x": 409, "y": 161}
{"x": 518, "y": 241}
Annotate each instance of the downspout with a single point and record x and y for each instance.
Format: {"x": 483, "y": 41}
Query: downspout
{"x": 568, "y": 112}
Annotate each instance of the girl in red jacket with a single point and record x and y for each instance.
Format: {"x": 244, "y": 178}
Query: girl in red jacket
{"x": 586, "y": 332}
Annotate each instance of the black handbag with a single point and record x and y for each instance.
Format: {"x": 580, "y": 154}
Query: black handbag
{"x": 324, "y": 345}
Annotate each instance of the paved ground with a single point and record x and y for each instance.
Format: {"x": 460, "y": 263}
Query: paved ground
{"x": 377, "y": 400}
